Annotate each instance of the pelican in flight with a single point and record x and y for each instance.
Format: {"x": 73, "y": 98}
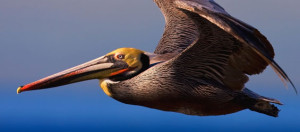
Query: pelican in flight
{"x": 199, "y": 67}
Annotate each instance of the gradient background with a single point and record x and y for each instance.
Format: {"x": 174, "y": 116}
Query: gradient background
{"x": 42, "y": 37}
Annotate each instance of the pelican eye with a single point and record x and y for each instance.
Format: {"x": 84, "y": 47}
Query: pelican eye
{"x": 120, "y": 56}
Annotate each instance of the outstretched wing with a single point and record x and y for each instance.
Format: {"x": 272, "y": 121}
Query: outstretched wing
{"x": 226, "y": 49}
{"x": 180, "y": 29}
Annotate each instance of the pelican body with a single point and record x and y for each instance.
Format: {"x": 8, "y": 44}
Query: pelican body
{"x": 199, "y": 67}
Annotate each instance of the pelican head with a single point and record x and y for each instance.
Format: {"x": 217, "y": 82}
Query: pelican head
{"x": 118, "y": 65}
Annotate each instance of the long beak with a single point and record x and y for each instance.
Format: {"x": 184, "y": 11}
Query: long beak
{"x": 96, "y": 69}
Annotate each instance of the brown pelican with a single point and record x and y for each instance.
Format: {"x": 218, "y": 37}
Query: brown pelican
{"x": 199, "y": 67}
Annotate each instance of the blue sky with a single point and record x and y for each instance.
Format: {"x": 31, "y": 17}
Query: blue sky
{"x": 42, "y": 37}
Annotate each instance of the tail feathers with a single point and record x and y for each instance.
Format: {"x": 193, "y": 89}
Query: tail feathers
{"x": 265, "y": 108}
{"x": 261, "y": 104}
{"x": 270, "y": 100}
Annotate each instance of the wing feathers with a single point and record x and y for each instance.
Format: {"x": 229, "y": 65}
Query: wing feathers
{"x": 252, "y": 53}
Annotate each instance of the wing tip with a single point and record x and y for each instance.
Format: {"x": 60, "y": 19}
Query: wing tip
{"x": 294, "y": 87}
{"x": 283, "y": 76}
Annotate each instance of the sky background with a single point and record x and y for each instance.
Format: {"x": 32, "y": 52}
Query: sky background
{"x": 42, "y": 37}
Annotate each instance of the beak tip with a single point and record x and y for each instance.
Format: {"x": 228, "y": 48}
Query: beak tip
{"x": 19, "y": 89}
